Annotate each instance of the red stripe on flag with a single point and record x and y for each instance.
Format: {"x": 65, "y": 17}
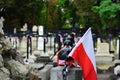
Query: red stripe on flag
{"x": 83, "y": 60}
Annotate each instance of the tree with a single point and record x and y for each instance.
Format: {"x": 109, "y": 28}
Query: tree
{"x": 107, "y": 11}
{"x": 67, "y": 13}
{"x": 16, "y": 12}
{"x": 83, "y": 11}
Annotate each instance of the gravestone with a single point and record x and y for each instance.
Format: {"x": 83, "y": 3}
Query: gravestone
{"x": 14, "y": 41}
{"x": 73, "y": 73}
{"x": 15, "y": 30}
{"x": 35, "y": 28}
{"x": 34, "y": 39}
{"x": 98, "y": 40}
{"x": 103, "y": 56}
{"x": 117, "y": 49}
{"x": 103, "y": 48}
{"x": 24, "y": 27}
{"x": 40, "y": 38}
{"x": 23, "y": 42}
{"x": 1, "y": 25}
{"x": 23, "y": 45}
{"x": 50, "y": 42}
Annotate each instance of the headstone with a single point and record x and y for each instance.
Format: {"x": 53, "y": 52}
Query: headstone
{"x": 34, "y": 43}
{"x": 103, "y": 57}
{"x": 40, "y": 39}
{"x": 117, "y": 50}
{"x": 23, "y": 45}
{"x": 24, "y": 27}
{"x": 35, "y": 28}
{"x": 14, "y": 30}
{"x": 1, "y": 25}
{"x": 112, "y": 45}
{"x": 98, "y": 40}
{"x": 34, "y": 39}
{"x": 50, "y": 42}
{"x": 73, "y": 73}
{"x": 14, "y": 41}
{"x": 103, "y": 48}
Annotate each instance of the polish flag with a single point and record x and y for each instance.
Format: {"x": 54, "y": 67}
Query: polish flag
{"x": 83, "y": 53}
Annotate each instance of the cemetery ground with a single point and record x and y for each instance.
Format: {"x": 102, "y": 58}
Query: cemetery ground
{"x": 107, "y": 74}
{"x": 102, "y": 74}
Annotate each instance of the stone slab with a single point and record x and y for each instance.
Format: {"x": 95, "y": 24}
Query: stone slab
{"x": 103, "y": 48}
{"x": 42, "y": 74}
{"x": 73, "y": 73}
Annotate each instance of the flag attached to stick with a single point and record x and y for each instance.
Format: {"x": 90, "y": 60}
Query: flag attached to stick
{"x": 83, "y": 53}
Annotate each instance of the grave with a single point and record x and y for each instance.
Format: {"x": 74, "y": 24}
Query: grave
{"x": 23, "y": 45}
{"x": 23, "y": 41}
{"x": 34, "y": 38}
{"x": 24, "y": 28}
{"x": 34, "y": 29}
{"x": 103, "y": 57}
{"x": 40, "y": 38}
{"x": 73, "y": 73}
{"x": 98, "y": 40}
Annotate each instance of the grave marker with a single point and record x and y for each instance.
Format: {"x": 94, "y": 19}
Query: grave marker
{"x": 1, "y": 25}
{"x": 40, "y": 38}
{"x": 35, "y": 28}
{"x": 103, "y": 56}
{"x": 34, "y": 39}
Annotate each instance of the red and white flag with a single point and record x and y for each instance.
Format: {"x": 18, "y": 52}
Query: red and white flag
{"x": 83, "y": 53}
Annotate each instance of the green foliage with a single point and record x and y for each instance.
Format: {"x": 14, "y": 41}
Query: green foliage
{"x": 83, "y": 12}
{"x": 67, "y": 26}
{"x": 42, "y": 17}
{"x": 16, "y": 12}
{"x": 66, "y": 8}
{"x": 107, "y": 10}
{"x": 61, "y": 3}
{"x": 98, "y": 14}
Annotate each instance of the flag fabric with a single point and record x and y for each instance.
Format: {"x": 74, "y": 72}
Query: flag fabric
{"x": 83, "y": 53}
